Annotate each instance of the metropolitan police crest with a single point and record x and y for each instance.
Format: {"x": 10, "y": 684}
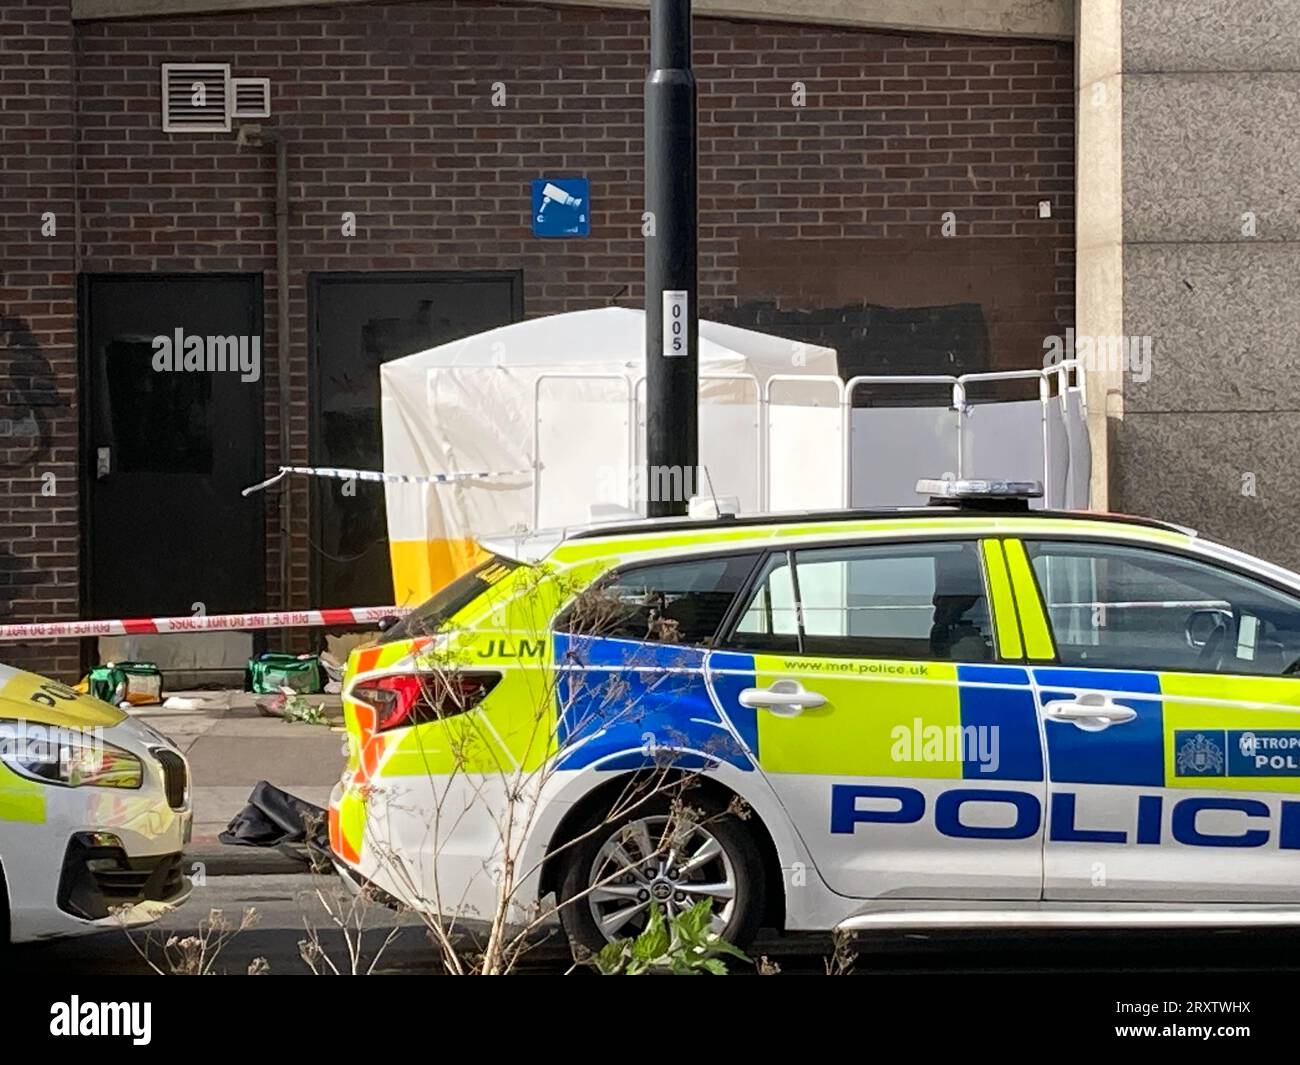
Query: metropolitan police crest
{"x": 1200, "y": 755}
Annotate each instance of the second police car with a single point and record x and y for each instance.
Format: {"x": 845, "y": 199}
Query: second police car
{"x": 94, "y": 814}
{"x": 963, "y": 713}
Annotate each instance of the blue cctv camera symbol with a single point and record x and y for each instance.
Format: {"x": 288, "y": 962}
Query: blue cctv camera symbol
{"x": 554, "y": 194}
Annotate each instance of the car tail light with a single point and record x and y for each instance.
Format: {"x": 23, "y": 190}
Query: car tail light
{"x": 404, "y": 699}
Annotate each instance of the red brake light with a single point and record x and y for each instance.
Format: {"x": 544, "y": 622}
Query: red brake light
{"x": 404, "y": 699}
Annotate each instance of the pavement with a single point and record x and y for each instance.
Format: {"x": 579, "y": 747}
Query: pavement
{"x": 231, "y": 745}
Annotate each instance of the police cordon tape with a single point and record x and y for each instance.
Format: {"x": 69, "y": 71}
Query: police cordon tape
{"x": 287, "y": 619}
{"x": 381, "y": 476}
{"x": 284, "y": 619}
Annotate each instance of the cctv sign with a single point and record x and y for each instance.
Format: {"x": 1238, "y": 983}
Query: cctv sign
{"x": 561, "y": 207}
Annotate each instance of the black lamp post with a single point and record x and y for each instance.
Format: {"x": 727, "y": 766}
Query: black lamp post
{"x": 671, "y": 271}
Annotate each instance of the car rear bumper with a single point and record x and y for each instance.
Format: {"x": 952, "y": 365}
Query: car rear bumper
{"x": 414, "y": 849}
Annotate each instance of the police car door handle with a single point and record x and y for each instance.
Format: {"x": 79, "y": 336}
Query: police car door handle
{"x": 1091, "y": 711}
{"x": 786, "y": 698}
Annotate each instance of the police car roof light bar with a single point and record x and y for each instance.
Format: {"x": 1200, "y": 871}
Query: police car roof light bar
{"x": 980, "y": 494}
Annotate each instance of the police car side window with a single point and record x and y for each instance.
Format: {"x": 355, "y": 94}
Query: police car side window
{"x": 1121, "y": 607}
{"x": 911, "y": 601}
{"x": 908, "y": 601}
{"x": 661, "y": 602}
{"x": 770, "y": 621}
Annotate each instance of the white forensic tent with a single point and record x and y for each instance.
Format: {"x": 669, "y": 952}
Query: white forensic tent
{"x": 553, "y": 408}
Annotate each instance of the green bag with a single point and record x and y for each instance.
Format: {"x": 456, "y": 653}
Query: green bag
{"x": 144, "y": 683}
{"x": 107, "y": 683}
{"x": 273, "y": 672}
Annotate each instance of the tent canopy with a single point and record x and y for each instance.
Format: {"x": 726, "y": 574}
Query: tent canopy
{"x": 613, "y": 337}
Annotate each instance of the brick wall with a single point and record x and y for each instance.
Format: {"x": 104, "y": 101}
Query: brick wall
{"x": 38, "y": 368}
{"x": 388, "y": 111}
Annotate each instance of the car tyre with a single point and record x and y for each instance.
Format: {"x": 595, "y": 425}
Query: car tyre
{"x": 729, "y": 863}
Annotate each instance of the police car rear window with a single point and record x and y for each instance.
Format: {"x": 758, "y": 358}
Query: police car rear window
{"x": 450, "y": 600}
{"x": 661, "y": 602}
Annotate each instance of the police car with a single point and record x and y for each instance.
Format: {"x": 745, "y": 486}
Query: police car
{"x": 961, "y": 714}
{"x": 94, "y": 812}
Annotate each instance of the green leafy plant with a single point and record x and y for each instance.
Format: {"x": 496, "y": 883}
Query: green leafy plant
{"x": 296, "y": 708}
{"x": 682, "y": 945}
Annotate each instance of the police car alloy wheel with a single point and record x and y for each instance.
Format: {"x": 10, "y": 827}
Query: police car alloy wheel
{"x": 623, "y": 868}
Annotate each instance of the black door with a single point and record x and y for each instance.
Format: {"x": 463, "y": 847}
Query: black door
{"x": 360, "y": 321}
{"x": 172, "y": 426}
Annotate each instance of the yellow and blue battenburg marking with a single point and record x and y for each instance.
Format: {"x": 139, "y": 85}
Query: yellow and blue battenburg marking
{"x": 626, "y": 705}
{"x": 872, "y": 706}
{"x": 1191, "y": 731}
{"x": 1132, "y": 753}
{"x": 629, "y": 705}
